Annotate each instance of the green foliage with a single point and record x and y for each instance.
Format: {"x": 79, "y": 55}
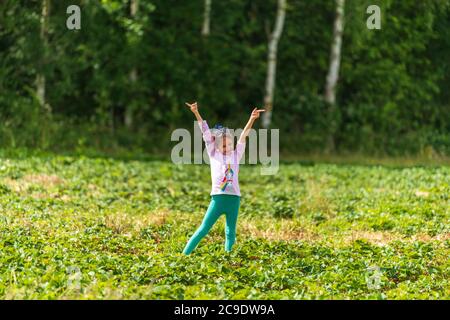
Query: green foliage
{"x": 392, "y": 94}
{"x": 121, "y": 226}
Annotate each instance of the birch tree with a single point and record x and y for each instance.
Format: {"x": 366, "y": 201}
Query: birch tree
{"x": 206, "y": 18}
{"x": 335, "y": 55}
{"x": 40, "y": 78}
{"x": 272, "y": 62}
{"x": 129, "y": 119}
{"x": 335, "y": 61}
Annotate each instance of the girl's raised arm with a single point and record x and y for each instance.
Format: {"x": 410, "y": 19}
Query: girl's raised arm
{"x": 249, "y": 125}
{"x": 207, "y": 136}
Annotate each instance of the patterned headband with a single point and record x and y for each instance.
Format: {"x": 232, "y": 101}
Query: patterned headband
{"x": 220, "y": 131}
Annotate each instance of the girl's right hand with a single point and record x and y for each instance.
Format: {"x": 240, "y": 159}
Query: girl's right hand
{"x": 193, "y": 106}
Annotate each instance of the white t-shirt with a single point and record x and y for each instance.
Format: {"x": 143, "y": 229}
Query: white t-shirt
{"x": 224, "y": 168}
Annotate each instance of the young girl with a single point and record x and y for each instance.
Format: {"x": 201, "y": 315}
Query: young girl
{"x": 225, "y": 193}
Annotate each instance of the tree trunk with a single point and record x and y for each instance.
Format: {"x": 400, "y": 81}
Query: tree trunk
{"x": 206, "y": 18}
{"x": 272, "y": 63}
{"x": 40, "y": 78}
{"x": 335, "y": 56}
{"x": 333, "y": 71}
{"x": 129, "y": 111}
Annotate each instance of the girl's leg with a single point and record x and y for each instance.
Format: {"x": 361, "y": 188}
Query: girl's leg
{"x": 211, "y": 216}
{"x": 233, "y": 204}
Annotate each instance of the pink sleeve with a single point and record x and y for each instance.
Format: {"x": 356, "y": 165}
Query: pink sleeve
{"x": 207, "y": 137}
{"x": 240, "y": 150}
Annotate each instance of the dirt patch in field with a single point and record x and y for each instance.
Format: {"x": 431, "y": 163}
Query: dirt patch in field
{"x": 383, "y": 238}
{"x": 46, "y": 185}
{"x": 43, "y": 180}
{"x": 286, "y": 231}
{"x": 125, "y": 223}
{"x": 375, "y": 237}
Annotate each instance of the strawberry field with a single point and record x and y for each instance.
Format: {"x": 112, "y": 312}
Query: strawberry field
{"x": 93, "y": 228}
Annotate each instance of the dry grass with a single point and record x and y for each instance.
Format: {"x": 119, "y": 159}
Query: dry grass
{"x": 420, "y": 193}
{"x": 316, "y": 200}
{"x": 44, "y": 181}
{"x": 284, "y": 230}
{"x": 124, "y": 223}
{"x": 290, "y": 230}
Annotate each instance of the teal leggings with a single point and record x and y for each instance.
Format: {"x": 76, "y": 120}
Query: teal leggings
{"x": 220, "y": 204}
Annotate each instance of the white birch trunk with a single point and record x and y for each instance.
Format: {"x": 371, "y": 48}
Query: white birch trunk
{"x": 129, "y": 116}
{"x": 206, "y": 18}
{"x": 335, "y": 55}
{"x": 40, "y": 78}
{"x": 272, "y": 63}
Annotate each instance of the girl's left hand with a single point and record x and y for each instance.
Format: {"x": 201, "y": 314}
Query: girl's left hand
{"x": 255, "y": 113}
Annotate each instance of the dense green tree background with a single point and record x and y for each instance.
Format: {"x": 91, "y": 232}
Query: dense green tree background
{"x": 393, "y": 95}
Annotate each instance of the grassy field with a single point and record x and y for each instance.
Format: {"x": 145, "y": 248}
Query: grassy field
{"x": 83, "y": 228}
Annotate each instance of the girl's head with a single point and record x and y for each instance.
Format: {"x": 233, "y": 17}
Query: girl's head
{"x": 223, "y": 139}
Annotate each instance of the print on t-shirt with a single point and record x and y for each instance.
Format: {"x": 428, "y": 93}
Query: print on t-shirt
{"x": 227, "y": 179}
